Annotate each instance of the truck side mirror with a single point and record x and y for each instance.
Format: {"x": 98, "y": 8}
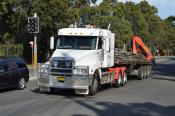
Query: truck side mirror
{"x": 51, "y": 43}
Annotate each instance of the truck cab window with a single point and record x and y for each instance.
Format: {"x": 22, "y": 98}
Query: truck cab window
{"x": 77, "y": 42}
{"x": 100, "y": 42}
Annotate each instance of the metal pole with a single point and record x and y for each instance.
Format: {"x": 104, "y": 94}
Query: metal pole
{"x": 35, "y": 51}
{"x": 35, "y": 55}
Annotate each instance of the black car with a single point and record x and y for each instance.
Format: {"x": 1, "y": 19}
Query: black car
{"x": 13, "y": 73}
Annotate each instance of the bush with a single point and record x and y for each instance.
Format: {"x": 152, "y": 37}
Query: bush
{"x": 11, "y": 50}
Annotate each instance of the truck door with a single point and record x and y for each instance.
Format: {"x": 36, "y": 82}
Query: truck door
{"x": 107, "y": 55}
{"x": 100, "y": 50}
{"x": 108, "y": 50}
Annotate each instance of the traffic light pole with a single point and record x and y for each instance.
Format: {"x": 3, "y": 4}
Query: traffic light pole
{"x": 35, "y": 52}
{"x": 35, "y": 55}
{"x": 33, "y": 28}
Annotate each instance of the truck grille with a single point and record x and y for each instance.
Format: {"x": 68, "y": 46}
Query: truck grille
{"x": 63, "y": 68}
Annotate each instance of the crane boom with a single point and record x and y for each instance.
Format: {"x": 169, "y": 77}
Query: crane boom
{"x": 138, "y": 47}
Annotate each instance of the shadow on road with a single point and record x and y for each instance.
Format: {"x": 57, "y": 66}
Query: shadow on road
{"x": 164, "y": 69}
{"x": 100, "y": 108}
{"x": 66, "y": 93}
{"x": 131, "y": 109}
{"x": 7, "y": 90}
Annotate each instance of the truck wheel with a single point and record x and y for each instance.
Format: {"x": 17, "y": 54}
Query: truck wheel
{"x": 140, "y": 73}
{"x": 124, "y": 78}
{"x": 94, "y": 87}
{"x": 118, "y": 82}
{"x": 147, "y": 71}
{"x": 144, "y": 72}
{"x": 21, "y": 83}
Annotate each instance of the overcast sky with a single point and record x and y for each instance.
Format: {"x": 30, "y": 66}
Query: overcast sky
{"x": 165, "y": 7}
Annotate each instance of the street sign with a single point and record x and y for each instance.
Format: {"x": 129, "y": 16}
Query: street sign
{"x": 33, "y": 25}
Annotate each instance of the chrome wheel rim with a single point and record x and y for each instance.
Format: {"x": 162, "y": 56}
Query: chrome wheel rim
{"x": 22, "y": 83}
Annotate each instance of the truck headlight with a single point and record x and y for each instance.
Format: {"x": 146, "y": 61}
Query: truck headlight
{"x": 44, "y": 68}
{"x": 55, "y": 63}
{"x": 80, "y": 71}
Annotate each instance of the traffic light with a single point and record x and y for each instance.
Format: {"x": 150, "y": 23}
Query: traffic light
{"x": 33, "y": 25}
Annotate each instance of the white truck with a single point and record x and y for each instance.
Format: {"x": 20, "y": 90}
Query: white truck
{"x": 85, "y": 59}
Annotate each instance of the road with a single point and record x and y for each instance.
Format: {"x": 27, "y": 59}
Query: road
{"x": 154, "y": 96}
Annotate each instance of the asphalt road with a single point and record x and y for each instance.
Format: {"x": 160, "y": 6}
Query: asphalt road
{"x": 150, "y": 97}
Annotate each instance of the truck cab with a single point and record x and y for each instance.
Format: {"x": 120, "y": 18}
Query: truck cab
{"x": 79, "y": 54}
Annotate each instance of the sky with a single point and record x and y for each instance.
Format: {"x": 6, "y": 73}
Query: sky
{"x": 165, "y": 7}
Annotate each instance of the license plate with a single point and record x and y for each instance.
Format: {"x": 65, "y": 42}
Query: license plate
{"x": 61, "y": 78}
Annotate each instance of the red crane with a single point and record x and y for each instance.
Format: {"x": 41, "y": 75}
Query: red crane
{"x": 138, "y": 47}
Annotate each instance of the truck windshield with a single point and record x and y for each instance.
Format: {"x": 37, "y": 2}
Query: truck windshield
{"x": 76, "y": 42}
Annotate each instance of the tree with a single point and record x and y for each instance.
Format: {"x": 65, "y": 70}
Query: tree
{"x": 126, "y": 19}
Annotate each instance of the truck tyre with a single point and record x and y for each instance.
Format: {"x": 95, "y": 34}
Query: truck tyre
{"x": 95, "y": 84}
{"x": 144, "y": 72}
{"x": 124, "y": 78}
{"x": 147, "y": 71}
{"x": 140, "y": 73}
{"x": 118, "y": 82}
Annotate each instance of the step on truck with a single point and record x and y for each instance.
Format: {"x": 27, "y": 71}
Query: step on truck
{"x": 85, "y": 59}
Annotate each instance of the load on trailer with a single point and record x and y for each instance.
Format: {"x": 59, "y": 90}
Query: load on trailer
{"x": 86, "y": 58}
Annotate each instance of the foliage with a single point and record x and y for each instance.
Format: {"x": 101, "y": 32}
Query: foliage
{"x": 126, "y": 19}
{"x": 11, "y": 50}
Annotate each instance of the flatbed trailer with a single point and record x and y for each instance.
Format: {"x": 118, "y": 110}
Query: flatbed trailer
{"x": 125, "y": 58}
{"x": 127, "y": 62}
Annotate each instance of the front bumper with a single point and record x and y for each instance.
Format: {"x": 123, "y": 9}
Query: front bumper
{"x": 77, "y": 82}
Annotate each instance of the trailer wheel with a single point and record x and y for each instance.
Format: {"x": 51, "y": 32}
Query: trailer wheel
{"x": 147, "y": 71}
{"x": 144, "y": 72}
{"x": 124, "y": 78}
{"x": 118, "y": 82}
{"x": 140, "y": 73}
{"x": 95, "y": 84}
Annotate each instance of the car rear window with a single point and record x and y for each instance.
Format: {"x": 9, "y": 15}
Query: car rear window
{"x": 20, "y": 64}
{"x": 12, "y": 65}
